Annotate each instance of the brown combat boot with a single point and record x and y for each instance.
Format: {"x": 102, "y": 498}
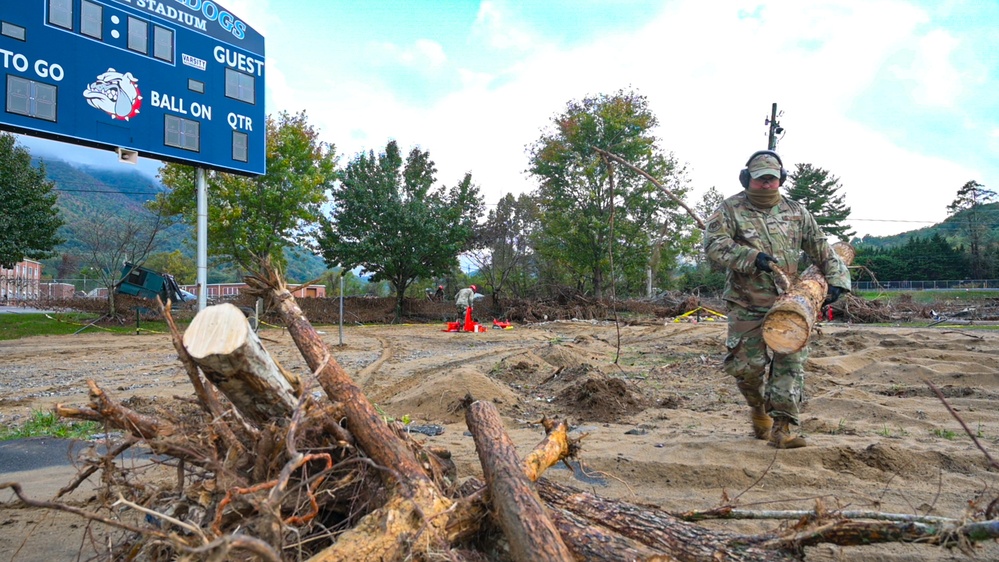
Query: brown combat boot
{"x": 761, "y": 422}
{"x": 780, "y": 436}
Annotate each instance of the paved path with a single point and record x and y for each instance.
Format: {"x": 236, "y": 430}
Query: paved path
{"x": 43, "y": 465}
{"x": 6, "y": 309}
{"x": 39, "y": 452}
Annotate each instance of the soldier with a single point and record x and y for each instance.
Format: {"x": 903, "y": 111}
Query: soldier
{"x": 746, "y": 234}
{"x": 464, "y": 299}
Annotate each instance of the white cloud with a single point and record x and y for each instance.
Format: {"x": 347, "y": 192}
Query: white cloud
{"x": 938, "y": 82}
{"x": 431, "y": 53}
{"x": 256, "y": 13}
{"x": 496, "y": 27}
{"x": 710, "y": 73}
{"x": 422, "y": 55}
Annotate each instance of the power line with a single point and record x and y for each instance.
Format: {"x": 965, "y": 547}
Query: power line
{"x": 851, "y": 219}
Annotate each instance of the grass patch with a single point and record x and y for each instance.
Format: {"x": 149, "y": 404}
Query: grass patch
{"x": 898, "y": 433}
{"x": 17, "y": 326}
{"x": 931, "y": 296}
{"x": 47, "y": 424}
{"x": 944, "y": 433}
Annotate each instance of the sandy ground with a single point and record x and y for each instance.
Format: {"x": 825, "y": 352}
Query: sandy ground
{"x": 663, "y": 424}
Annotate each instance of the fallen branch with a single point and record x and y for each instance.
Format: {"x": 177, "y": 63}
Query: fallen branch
{"x": 87, "y": 472}
{"x": 657, "y": 529}
{"x": 974, "y": 438}
{"x": 655, "y": 182}
{"x": 19, "y": 492}
{"x": 554, "y": 448}
{"x": 139, "y": 425}
{"x": 588, "y": 541}
{"x": 855, "y": 533}
{"x": 732, "y": 513}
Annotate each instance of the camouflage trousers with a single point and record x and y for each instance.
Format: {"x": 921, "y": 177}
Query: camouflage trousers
{"x": 782, "y": 390}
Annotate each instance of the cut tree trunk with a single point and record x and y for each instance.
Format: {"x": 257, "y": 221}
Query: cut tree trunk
{"x": 519, "y": 511}
{"x": 230, "y": 354}
{"x": 788, "y": 324}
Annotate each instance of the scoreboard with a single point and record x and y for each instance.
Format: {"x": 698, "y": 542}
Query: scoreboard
{"x": 175, "y": 80}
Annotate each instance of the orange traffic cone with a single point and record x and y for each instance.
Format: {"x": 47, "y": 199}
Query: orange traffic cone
{"x": 469, "y": 323}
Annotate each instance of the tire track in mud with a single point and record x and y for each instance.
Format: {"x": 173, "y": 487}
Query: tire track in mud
{"x": 381, "y": 386}
{"x": 414, "y": 378}
{"x": 361, "y": 379}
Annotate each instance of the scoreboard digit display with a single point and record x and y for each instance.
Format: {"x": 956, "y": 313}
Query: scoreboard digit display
{"x": 175, "y": 80}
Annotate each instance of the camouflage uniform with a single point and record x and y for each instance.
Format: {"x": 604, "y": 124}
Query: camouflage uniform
{"x": 463, "y": 300}
{"x": 737, "y": 232}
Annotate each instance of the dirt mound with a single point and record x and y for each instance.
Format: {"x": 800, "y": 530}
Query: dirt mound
{"x": 562, "y": 356}
{"x": 598, "y": 398}
{"x": 437, "y": 399}
{"x": 523, "y": 370}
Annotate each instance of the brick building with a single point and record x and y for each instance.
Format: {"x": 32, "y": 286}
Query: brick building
{"x": 56, "y": 290}
{"x": 21, "y": 282}
{"x": 230, "y": 290}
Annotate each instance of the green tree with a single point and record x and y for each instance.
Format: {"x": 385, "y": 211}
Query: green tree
{"x": 183, "y": 268}
{"x": 29, "y": 219}
{"x": 250, "y": 219}
{"x": 352, "y": 284}
{"x": 929, "y": 258}
{"x": 968, "y": 202}
{"x": 816, "y": 189}
{"x": 503, "y": 250}
{"x": 700, "y": 274}
{"x": 710, "y": 201}
{"x": 389, "y": 219}
{"x": 601, "y": 222}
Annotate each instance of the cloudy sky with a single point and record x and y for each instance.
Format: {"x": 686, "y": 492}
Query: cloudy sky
{"x": 895, "y": 97}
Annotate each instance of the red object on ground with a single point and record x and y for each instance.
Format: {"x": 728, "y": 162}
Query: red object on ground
{"x": 829, "y": 313}
{"x": 469, "y": 323}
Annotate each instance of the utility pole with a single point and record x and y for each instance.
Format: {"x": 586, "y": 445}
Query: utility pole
{"x": 775, "y": 128}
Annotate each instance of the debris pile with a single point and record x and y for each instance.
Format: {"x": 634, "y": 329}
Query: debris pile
{"x": 281, "y": 466}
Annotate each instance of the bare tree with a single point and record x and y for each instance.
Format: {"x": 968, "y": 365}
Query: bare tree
{"x": 109, "y": 240}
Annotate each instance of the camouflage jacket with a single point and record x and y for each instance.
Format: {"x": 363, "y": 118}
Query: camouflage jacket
{"x": 737, "y": 231}
{"x": 464, "y": 297}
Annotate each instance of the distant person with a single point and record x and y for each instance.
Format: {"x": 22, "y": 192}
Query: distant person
{"x": 439, "y": 295}
{"x": 463, "y": 300}
{"x": 746, "y": 234}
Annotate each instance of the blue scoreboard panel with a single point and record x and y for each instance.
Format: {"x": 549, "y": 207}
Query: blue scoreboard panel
{"x": 175, "y": 80}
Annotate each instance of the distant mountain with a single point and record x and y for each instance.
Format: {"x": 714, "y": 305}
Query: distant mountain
{"x": 84, "y": 191}
{"x": 953, "y": 229}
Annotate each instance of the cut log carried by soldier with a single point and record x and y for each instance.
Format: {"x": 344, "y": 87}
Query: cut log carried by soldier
{"x": 789, "y": 323}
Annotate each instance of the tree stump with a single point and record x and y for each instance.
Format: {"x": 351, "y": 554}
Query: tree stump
{"x": 232, "y": 357}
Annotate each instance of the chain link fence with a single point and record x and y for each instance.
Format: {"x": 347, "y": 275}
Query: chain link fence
{"x": 946, "y": 285}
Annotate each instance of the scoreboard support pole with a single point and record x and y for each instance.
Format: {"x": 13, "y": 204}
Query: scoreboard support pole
{"x": 202, "y": 184}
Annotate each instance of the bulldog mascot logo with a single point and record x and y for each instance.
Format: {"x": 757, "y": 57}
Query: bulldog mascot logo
{"x": 116, "y": 94}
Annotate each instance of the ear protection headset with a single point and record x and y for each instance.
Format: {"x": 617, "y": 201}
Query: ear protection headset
{"x": 744, "y": 174}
